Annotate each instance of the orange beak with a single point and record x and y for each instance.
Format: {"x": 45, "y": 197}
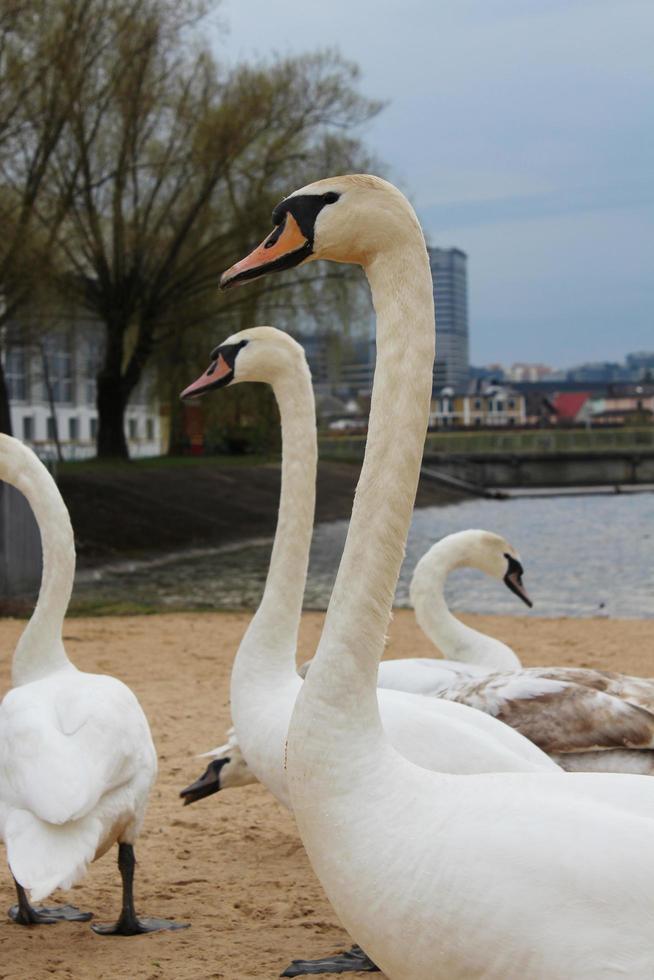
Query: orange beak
{"x": 286, "y": 246}
{"x": 214, "y": 377}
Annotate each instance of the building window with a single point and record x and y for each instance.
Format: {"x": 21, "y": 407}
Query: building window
{"x": 28, "y": 428}
{"x": 16, "y": 374}
{"x": 132, "y": 428}
{"x": 58, "y": 369}
{"x": 73, "y": 429}
{"x": 477, "y": 404}
{"x": 149, "y": 430}
{"x": 50, "y": 428}
{"x": 511, "y": 403}
{"x": 93, "y": 428}
{"x": 93, "y": 357}
{"x": 477, "y": 421}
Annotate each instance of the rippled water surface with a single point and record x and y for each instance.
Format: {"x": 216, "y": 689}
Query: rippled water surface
{"x": 583, "y": 556}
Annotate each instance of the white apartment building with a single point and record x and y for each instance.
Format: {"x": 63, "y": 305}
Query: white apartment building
{"x": 52, "y": 389}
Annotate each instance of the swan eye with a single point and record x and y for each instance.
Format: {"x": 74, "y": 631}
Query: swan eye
{"x": 330, "y": 197}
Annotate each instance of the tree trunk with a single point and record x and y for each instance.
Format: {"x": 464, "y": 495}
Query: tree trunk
{"x": 111, "y": 398}
{"x": 5, "y": 412}
{"x": 111, "y": 417}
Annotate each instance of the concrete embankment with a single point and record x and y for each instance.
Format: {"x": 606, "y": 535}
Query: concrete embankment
{"x": 153, "y": 506}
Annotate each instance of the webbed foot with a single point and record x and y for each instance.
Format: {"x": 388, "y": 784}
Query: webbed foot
{"x": 136, "y": 926}
{"x": 30, "y": 915}
{"x": 353, "y": 961}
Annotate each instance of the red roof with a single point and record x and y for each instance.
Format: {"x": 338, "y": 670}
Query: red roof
{"x": 568, "y": 404}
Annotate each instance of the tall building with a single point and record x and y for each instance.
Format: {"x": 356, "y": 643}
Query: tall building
{"x": 448, "y": 272}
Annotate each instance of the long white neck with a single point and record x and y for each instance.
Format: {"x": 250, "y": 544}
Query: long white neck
{"x": 266, "y": 656}
{"x": 339, "y": 697}
{"x": 453, "y": 638}
{"x": 40, "y": 649}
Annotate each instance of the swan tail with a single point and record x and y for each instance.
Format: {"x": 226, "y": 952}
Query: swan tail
{"x": 44, "y": 856}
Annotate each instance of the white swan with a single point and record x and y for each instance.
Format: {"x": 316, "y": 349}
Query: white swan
{"x": 265, "y": 682}
{"x": 76, "y": 756}
{"x": 498, "y": 876}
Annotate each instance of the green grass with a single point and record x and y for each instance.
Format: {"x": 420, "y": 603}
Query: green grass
{"x": 167, "y": 462}
{"x": 82, "y": 608}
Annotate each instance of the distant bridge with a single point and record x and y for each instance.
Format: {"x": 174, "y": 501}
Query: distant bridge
{"x": 534, "y": 458}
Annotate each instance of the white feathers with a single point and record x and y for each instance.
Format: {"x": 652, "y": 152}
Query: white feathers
{"x": 76, "y": 755}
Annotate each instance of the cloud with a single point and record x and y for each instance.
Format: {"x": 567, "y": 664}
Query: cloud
{"x": 521, "y": 129}
{"x": 527, "y": 207}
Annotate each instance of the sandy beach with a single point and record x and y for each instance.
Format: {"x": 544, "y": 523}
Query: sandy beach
{"x": 232, "y": 865}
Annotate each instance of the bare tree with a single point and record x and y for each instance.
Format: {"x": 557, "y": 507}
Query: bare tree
{"x": 176, "y": 170}
{"x": 48, "y": 51}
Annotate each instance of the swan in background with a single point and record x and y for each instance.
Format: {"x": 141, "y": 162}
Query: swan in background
{"x": 487, "y": 552}
{"x": 497, "y": 876}
{"x": 471, "y": 654}
{"x": 587, "y": 720}
{"x": 265, "y": 682}
{"x": 76, "y": 755}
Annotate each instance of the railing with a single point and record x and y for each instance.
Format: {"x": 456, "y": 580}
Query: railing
{"x": 518, "y": 442}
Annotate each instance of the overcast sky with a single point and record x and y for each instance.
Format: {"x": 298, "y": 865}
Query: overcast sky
{"x": 523, "y": 131}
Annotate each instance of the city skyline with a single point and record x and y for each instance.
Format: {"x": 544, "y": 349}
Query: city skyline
{"x": 622, "y": 362}
{"x": 518, "y": 131}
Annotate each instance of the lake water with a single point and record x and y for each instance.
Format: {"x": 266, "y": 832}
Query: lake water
{"x": 583, "y": 556}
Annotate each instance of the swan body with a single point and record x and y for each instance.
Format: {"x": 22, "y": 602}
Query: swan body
{"x": 498, "y": 876}
{"x": 72, "y": 781}
{"x": 265, "y": 682}
{"x": 421, "y": 675}
{"x": 76, "y": 756}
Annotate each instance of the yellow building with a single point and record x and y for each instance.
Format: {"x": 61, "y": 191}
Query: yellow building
{"x": 493, "y": 406}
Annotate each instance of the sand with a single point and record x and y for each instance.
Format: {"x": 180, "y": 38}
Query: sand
{"x": 232, "y": 865}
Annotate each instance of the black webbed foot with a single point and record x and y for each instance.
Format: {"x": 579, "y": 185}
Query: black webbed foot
{"x": 31, "y": 915}
{"x": 353, "y": 961}
{"x": 136, "y": 926}
{"x": 129, "y": 923}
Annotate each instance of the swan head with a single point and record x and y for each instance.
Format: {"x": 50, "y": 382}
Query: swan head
{"x": 488, "y": 552}
{"x": 226, "y": 772}
{"x": 495, "y": 556}
{"x": 256, "y": 354}
{"x": 344, "y": 219}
